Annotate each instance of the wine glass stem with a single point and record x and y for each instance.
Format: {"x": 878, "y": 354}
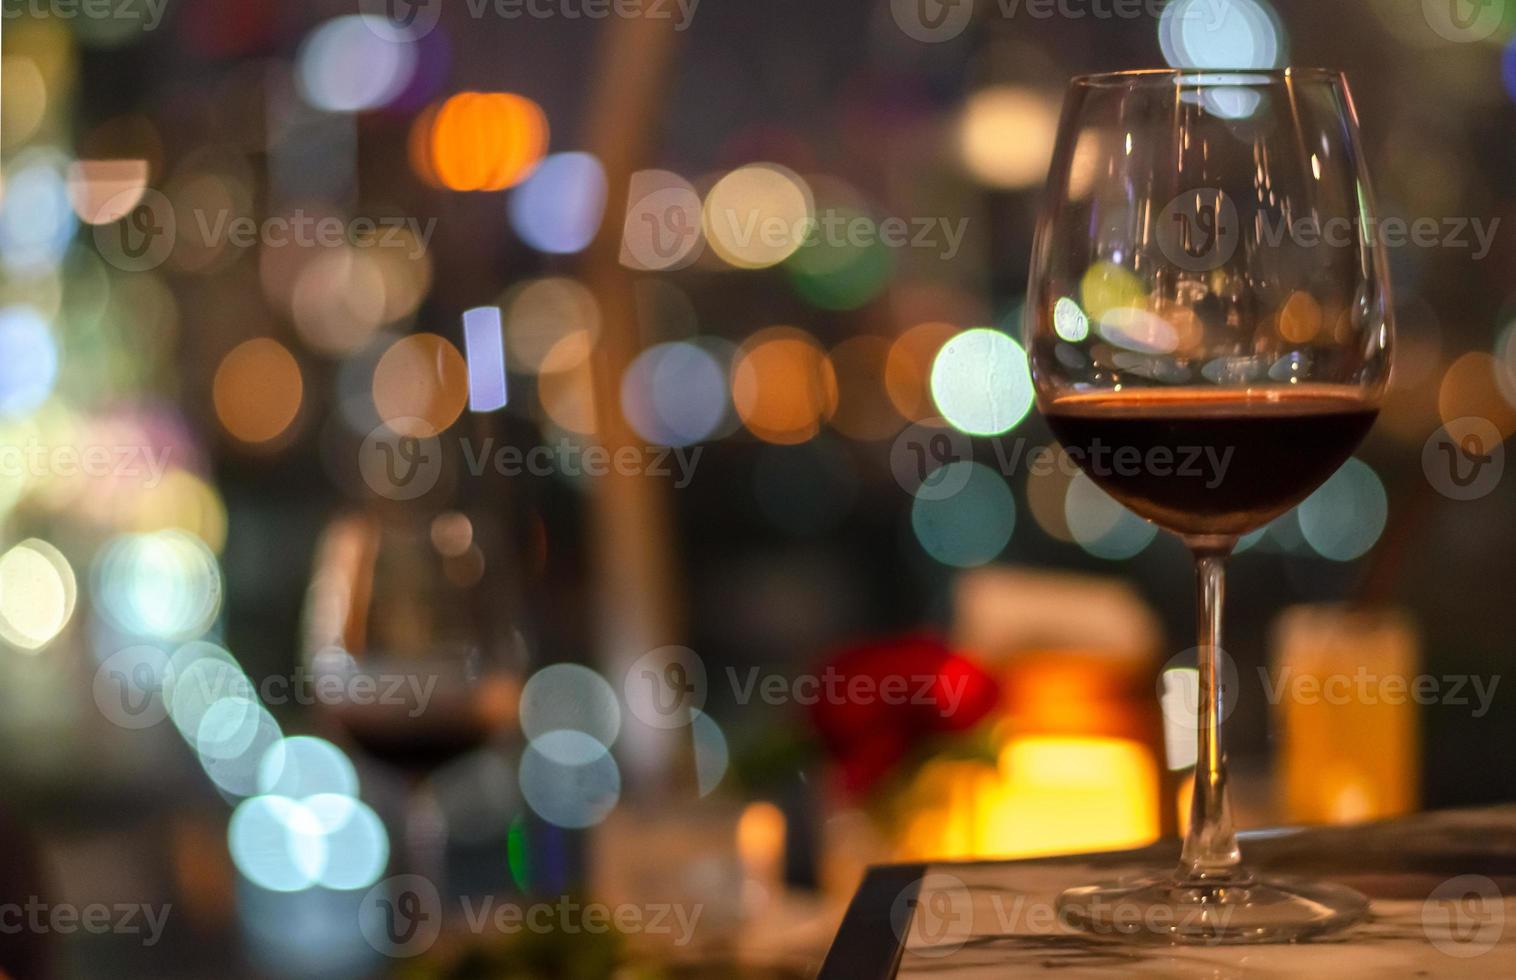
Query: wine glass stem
{"x": 1210, "y": 848}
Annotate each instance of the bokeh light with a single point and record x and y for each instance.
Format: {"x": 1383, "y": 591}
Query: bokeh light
{"x": 486, "y": 141}
{"x": 783, "y": 385}
{"x": 558, "y": 208}
{"x": 540, "y": 315}
{"x": 339, "y": 297}
{"x": 1006, "y": 136}
{"x": 674, "y": 394}
{"x": 103, "y": 191}
{"x": 276, "y": 843}
{"x": 257, "y": 390}
{"x": 569, "y": 697}
{"x": 1102, "y": 526}
{"x": 981, "y": 382}
{"x": 969, "y": 527}
{"x": 758, "y": 215}
{"x": 303, "y": 766}
{"x": 712, "y": 756}
{"x": 908, "y": 370}
{"x": 1069, "y": 321}
{"x": 1231, "y": 34}
{"x": 569, "y": 779}
{"x": 844, "y": 264}
{"x": 420, "y": 385}
{"x": 354, "y": 63}
{"x": 28, "y": 360}
{"x": 37, "y": 592}
{"x": 37, "y": 219}
{"x": 1344, "y": 518}
{"x": 165, "y": 584}
{"x": 1471, "y": 389}
{"x": 484, "y": 347}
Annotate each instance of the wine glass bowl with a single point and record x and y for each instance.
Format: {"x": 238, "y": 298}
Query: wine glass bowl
{"x": 1210, "y": 336}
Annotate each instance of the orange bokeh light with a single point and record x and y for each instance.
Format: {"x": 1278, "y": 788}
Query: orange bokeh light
{"x": 908, "y": 368}
{"x": 420, "y": 385}
{"x": 257, "y": 390}
{"x": 479, "y": 141}
{"x": 1471, "y": 390}
{"x": 783, "y": 385}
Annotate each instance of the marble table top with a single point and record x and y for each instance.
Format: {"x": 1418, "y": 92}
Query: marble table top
{"x": 1438, "y": 884}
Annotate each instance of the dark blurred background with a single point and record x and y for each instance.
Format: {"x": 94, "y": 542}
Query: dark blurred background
{"x": 284, "y": 248}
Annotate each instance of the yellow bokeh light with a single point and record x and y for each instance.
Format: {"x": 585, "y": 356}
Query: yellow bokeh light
{"x": 1106, "y": 286}
{"x": 37, "y": 592}
{"x": 420, "y": 385}
{"x": 485, "y": 141}
{"x": 757, "y": 216}
{"x": 540, "y": 315}
{"x": 23, "y": 99}
{"x": 257, "y": 391}
{"x": 1300, "y": 318}
{"x": 339, "y": 298}
{"x": 1471, "y": 390}
{"x": 1006, "y": 136}
{"x": 783, "y": 385}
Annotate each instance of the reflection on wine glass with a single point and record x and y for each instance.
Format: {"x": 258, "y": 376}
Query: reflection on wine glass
{"x": 412, "y": 649}
{"x": 1210, "y": 338}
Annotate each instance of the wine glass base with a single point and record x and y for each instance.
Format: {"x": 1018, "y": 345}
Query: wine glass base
{"x": 1161, "y": 909}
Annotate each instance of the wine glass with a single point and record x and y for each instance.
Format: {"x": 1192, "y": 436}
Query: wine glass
{"x": 414, "y": 655}
{"x": 1209, "y": 332}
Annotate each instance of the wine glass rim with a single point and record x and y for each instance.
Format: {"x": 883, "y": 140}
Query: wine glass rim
{"x": 1207, "y": 76}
